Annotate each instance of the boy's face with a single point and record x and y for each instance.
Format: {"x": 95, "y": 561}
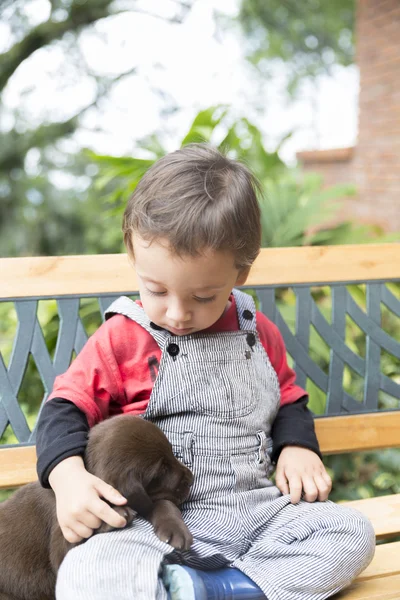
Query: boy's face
{"x": 186, "y": 294}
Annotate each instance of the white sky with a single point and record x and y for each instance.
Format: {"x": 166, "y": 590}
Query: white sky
{"x": 191, "y": 65}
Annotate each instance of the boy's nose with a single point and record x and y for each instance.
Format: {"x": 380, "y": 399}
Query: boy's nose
{"x": 178, "y": 313}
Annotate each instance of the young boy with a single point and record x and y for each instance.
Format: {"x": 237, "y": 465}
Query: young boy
{"x": 199, "y": 361}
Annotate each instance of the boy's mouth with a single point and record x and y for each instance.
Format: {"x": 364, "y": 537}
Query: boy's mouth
{"x": 180, "y": 331}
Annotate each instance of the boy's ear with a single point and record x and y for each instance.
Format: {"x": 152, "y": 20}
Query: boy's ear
{"x": 243, "y": 275}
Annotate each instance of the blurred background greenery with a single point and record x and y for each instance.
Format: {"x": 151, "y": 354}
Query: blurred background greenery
{"x": 61, "y": 194}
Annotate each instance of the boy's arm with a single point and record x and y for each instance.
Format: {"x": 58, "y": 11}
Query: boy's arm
{"x": 294, "y": 423}
{"x": 62, "y": 432}
{"x": 294, "y": 426}
{"x": 299, "y": 469}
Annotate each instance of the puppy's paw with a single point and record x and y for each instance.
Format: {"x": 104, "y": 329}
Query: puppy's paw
{"x": 175, "y": 533}
{"x": 125, "y": 511}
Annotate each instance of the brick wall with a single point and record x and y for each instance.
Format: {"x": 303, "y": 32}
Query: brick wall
{"x": 335, "y": 166}
{"x": 374, "y": 164}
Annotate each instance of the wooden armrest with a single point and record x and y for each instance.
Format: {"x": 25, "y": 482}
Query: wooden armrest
{"x": 17, "y": 466}
{"x": 383, "y": 512}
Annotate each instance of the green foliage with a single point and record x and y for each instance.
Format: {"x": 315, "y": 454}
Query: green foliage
{"x": 118, "y": 178}
{"x": 37, "y": 217}
{"x": 293, "y": 206}
{"x": 241, "y": 140}
{"x": 6, "y": 493}
{"x": 238, "y": 138}
{"x": 309, "y": 36}
{"x": 88, "y": 220}
{"x": 296, "y": 209}
{"x": 364, "y": 474}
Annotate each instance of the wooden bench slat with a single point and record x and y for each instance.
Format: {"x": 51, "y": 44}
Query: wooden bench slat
{"x": 385, "y": 562}
{"x": 353, "y": 433}
{"x": 310, "y": 264}
{"x": 17, "y": 466}
{"x": 112, "y": 273}
{"x": 335, "y": 434}
{"x": 383, "y": 512}
{"x": 381, "y": 579}
{"x": 384, "y": 588}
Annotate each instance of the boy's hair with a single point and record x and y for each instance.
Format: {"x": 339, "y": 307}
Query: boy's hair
{"x": 196, "y": 198}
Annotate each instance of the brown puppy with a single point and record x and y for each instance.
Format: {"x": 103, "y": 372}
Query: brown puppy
{"x": 129, "y": 453}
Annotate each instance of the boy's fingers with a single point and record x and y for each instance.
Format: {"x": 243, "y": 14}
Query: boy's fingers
{"x": 83, "y": 531}
{"x": 296, "y": 487}
{"x": 282, "y": 484}
{"x": 310, "y": 489}
{"x": 283, "y": 488}
{"x": 70, "y": 536}
{"x": 90, "y": 520}
{"x": 323, "y": 487}
{"x": 104, "y": 512}
{"x": 109, "y": 493}
{"x": 327, "y": 479}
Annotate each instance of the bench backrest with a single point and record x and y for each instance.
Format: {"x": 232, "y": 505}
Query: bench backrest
{"x": 313, "y": 294}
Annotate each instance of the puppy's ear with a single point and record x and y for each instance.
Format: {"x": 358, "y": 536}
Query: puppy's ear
{"x": 157, "y": 469}
{"x": 138, "y": 499}
{"x": 166, "y": 481}
{"x": 151, "y": 471}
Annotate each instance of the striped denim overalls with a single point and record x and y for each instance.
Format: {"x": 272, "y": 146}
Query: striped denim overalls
{"x": 215, "y": 397}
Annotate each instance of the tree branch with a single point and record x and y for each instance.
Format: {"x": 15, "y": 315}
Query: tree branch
{"x": 147, "y": 13}
{"x": 15, "y": 146}
{"x": 80, "y": 15}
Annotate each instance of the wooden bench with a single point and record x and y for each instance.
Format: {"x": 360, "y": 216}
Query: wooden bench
{"x": 348, "y": 424}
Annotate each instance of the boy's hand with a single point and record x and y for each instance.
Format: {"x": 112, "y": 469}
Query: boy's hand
{"x": 300, "y": 470}
{"x": 80, "y": 507}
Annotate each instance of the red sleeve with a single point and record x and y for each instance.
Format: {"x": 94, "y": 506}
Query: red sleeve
{"x": 274, "y": 345}
{"x": 93, "y": 379}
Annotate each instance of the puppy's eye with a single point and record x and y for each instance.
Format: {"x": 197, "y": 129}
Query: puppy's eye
{"x": 154, "y": 483}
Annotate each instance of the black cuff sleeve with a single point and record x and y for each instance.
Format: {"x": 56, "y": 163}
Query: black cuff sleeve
{"x": 294, "y": 426}
{"x": 61, "y": 432}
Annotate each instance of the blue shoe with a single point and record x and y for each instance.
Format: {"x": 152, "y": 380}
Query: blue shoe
{"x": 184, "y": 583}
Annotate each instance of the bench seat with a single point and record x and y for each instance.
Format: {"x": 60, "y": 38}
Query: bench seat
{"x": 381, "y": 588}
{"x": 384, "y": 514}
{"x": 381, "y": 579}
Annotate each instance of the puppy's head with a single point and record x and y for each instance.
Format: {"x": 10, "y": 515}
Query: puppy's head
{"x": 126, "y": 448}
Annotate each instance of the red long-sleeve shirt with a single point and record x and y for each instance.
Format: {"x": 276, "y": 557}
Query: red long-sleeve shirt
{"x": 115, "y": 371}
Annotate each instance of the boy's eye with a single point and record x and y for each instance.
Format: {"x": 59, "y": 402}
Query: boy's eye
{"x": 204, "y": 299}
{"x": 197, "y": 298}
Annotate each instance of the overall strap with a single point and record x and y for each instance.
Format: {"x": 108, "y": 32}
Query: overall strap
{"x": 245, "y": 307}
{"x": 127, "y": 307}
{"x": 246, "y": 310}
